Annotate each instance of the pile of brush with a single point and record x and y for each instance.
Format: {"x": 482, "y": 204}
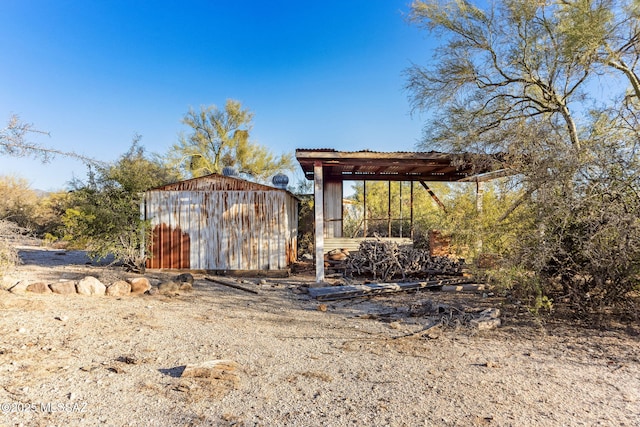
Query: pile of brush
{"x": 385, "y": 260}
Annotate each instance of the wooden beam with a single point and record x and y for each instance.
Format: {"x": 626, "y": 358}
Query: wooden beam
{"x": 333, "y": 293}
{"x": 231, "y": 285}
{"x": 433, "y": 196}
{"x": 318, "y": 186}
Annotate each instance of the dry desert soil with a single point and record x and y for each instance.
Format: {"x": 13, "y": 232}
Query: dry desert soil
{"x": 289, "y": 360}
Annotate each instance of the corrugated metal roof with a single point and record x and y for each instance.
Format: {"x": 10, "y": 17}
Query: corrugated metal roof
{"x": 216, "y": 182}
{"x": 393, "y": 166}
{"x": 332, "y": 150}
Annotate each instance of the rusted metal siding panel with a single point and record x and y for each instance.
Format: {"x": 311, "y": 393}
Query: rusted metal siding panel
{"x": 170, "y": 246}
{"x": 333, "y": 209}
{"x": 292, "y": 230}
{"x": 225, "y": 230}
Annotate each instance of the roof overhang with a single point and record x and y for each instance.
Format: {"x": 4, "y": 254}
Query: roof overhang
{"x": 393, "y": 166}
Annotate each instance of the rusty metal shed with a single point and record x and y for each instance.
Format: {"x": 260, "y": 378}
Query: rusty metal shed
{"x": 221, "y": 223}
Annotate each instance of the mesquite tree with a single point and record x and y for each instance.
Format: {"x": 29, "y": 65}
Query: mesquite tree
{"x": 105, "y": 213}
{"x": 554, "y": 86}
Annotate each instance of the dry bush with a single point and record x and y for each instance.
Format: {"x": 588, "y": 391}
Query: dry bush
{"x": 10, "y": 236}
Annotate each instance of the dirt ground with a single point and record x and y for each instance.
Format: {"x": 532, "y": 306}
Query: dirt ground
{"x": 85, "y": 360}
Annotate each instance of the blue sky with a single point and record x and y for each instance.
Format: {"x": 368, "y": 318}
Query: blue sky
{"x": 315, "y": 74}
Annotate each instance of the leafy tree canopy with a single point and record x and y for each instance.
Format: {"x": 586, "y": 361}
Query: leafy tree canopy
{"x": 105, "y": 213}
{"x": 219, "y": 138}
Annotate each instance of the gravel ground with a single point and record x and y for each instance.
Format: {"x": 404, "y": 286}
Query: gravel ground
{"x": 80, "y": 360}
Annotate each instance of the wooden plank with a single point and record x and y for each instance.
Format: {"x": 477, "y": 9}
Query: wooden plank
{"x": 354, "y": 244}
{"x": 231, "y": 285}
{"x": 433, "y": 196}
{"x": 330, "y": 293}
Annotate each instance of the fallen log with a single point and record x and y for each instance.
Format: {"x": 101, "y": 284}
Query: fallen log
{"x": 231, "y": 285}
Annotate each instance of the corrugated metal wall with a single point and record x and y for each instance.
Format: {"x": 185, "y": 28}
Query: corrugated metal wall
{"x": 222, "y": 230}
{"x": 333, "y": 209}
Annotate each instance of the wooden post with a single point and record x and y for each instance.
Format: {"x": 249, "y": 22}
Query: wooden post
{"x": 479, "y": 194}
{"x": 143, "y": 237}
{"x": 411, "y": 213}
{"x": 400, "y": 191}
{"x": 318, "y": 187}
{"x": 364, "y": 205}
{"x": 389, "y": 210}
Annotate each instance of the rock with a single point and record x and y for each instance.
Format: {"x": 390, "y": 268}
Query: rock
{"x": 215, "y": 369}
{"x": 487, "y": 319}
{"x": 338, "y": 257}
{"x": 214, "y": 378}
{"x": 151, "y": 291}
{"x": 139, "y": 285}
{"x": 490, "y": 313}
{"x": 395, "y": 325}
{"x": 307, "y": 257}
{"x": 39, "y": 288}
{"x": 128, "y": 359}
{"x": 485, "y": 324}
{"x": 184, "y": 278}
{"x": 168, "y": 287}
{"x": 185, "y": 286}
{"x": 63, "y": 288}
{"x": 473, "y": 287}
{"x": 19, "y": 288}
{"x": 91, "y": 286}
{"x": 119, "y": 289}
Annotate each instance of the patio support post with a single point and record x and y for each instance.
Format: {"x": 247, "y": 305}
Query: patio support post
{"x": 318, "y": 197}
{"x": 411, "y": 211}
{"x": 400, "y": 191}
{"x": 479, "y": 194}
{"x": 389, "y": 210}
{"x": 364, "y": 206}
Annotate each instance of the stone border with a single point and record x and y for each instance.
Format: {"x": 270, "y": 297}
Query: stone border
{"x": 91, "y": 286}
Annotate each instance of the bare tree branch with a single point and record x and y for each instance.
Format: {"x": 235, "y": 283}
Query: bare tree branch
{"x": 14, "y": 142}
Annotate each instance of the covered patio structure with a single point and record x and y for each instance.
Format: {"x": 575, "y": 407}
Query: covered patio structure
{"x": 330, "y": 168}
